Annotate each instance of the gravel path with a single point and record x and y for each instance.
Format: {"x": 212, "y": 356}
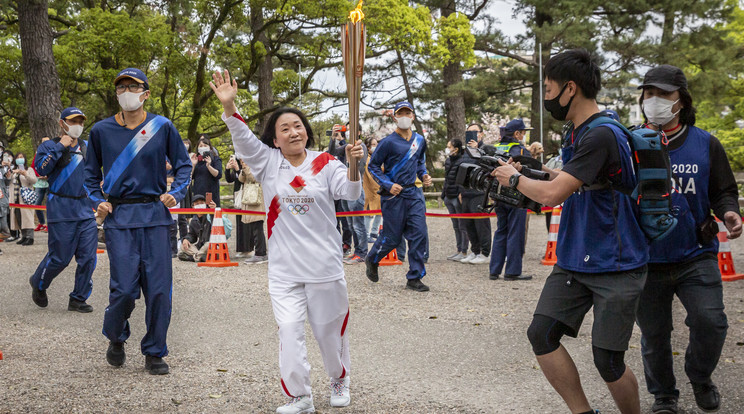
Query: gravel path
{"x": 460, "y": 348}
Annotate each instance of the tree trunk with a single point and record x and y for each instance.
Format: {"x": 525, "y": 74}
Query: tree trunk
{"x": 42, "y": 82}
{"x": 265, "y": 68}
{"x": 454, "y": 104}
{"x": 541, "y": 18}
{"x": 667, "y": 35}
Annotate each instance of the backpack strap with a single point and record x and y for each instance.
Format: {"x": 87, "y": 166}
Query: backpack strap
{"x": 604, "y": 183}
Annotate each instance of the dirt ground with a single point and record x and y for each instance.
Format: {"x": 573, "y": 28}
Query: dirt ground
{"x": 460, "y": 348}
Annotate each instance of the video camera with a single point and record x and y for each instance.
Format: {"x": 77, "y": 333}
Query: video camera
{"x": 478, "y": 177}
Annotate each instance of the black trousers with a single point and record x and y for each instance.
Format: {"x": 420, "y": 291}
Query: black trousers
{"x": 479, "y": 230}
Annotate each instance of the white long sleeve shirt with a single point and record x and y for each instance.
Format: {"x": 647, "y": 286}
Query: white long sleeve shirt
{"x": 304, "y": 245}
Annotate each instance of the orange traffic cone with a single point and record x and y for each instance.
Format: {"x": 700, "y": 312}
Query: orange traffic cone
{"x": 550, "y": 258}
{"x": 392, "y": 258}
{"x": 725, "y": 260}
{"x": 217, "y": 254}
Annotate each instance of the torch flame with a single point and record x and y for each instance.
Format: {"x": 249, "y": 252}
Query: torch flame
{"x": 357, "y": 14}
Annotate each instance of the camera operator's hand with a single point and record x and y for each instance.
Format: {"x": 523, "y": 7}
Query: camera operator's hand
{"x": 732, "y": 220}
{"x": 396, "y": 189}
{"x": 503, "y": 173}
{"x": 427, "y": 180}
{"x": 515, "y": 164}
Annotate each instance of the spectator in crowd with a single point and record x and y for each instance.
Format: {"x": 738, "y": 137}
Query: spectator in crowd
{"x": 684, "y": 263}
{"x": 72, "y": 226}
{"x": 253, "y": 200}
{"x": 41, "y": 187}
{"x": 402, "y": 157}
{"x": 183, "y": 219}
{"x": 479, "y": 230}
{"x": 450, "y": 195}
{"x": 21, "y": 176}
{"x": 194, "y": 246}
{"x": 601, "y": 249}
{"x": 6, "y": 164}
{"x": 511, "y": 222}
{"x": 357, "y": 223}
{"x": 138, "y": 229}
{"x": 207, "y": 170}
{"x": 4, "y": 210}
{"x": 173, "y": 229}
{"x": 306, "y": 275}
{"x": 371, "y": 195}
{"x": 344, "y": 224}
{"x": 232, "y": 170}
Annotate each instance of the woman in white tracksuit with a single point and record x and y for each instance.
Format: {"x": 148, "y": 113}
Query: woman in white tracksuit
{"x": 306, "y": 276}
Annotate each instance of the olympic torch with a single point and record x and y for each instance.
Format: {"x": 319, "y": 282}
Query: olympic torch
{"x": 353, "y": 38}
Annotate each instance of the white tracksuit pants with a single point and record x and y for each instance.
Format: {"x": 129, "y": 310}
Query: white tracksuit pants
{"x": 326, "y": 306}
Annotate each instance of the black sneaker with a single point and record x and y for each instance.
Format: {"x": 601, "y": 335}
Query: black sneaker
{"x": 155, "y": 365}
{"x": 706, "y": 396}
{"x": 79, "y": 306}
{"x": 417, "y": 285}
{"x": 21, "y": 240}
{"x": 517, "y": 277}
{"x": 494, "y": 277}
{"x": 38, "y": 296}
{"x": 664, "y": 405}
{"x": 372, "y": 270}
{"x": 27, "y": 242}
{"x": 115, "y": 354}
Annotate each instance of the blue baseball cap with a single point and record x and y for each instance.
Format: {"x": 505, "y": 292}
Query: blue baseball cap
{"x": 515, "y": 125}
{"x": 133, "y": 73}
{"x": 403, "y": 104}
{"x": 71, "y": 112}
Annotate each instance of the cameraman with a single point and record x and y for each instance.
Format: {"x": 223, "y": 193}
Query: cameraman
{"x": 511, "y": 224}
{"x": 602, "y": 250}
{"x": 479, "y": 230}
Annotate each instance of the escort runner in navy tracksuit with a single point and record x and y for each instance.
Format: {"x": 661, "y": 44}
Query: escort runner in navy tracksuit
{"x": 402, "y": 155}
{"x": 511, "y": 225}
{"x": 131, "y": 148}
{"x": 72, "y": 227}
{"x": 602, "y": 250}
{"x": 685, "y": 263}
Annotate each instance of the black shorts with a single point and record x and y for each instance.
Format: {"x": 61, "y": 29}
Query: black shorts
{"x": 567, "y": 296}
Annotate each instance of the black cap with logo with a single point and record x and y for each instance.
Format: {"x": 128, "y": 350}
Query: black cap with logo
{"x": 665, "y": 77}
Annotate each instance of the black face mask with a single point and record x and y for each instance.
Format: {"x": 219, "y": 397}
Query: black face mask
{"x": 555, "y": 108}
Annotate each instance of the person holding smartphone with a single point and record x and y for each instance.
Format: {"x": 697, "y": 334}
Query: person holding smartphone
{"x": 306, "y": 274}
{"x": 21, "y": 176}
{"x": 479, "y": 230}
{"x": 207, "y": 169}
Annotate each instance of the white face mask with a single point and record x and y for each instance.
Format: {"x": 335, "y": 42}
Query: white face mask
{"x": 203, "y": 151}
{"x": 447, "y": 152}
{"x": 403, "y": 122}
{"x": 200, "y": 206}
{"x": 74, "y": 130}
{"x": 372, "y": 149}
{"x": 659, "y": 110}
{"x": 129, "y": 101}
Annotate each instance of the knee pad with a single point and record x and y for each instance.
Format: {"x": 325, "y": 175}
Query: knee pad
{"x": 610, "y": 364}
{"x": 545, "y": 334}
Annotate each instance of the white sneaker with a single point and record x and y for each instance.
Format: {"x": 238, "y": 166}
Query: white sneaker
{"x": 456, "y": 257}
{"x": 468, "y": 258}
{"x": 256, "y": 260}
{"x": 479, "y": 259}
{"x": 298, "y": 405}
{"x": 340, "y": 393}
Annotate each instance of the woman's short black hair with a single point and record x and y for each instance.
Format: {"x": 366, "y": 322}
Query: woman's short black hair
{"x": 269, "y": 133}
{"x": 686, "y": 114}
{"x": 368, "y": 141}
{"x": 579, "y": 66}
{"x": 457, "y": 144}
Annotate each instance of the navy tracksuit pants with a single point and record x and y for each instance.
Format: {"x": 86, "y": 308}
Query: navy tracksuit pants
{"x": 508, "y": 241}
{"x": 403, "y": 217}
{"x": 140, "y": 260}
{"x": 68, "y": 239}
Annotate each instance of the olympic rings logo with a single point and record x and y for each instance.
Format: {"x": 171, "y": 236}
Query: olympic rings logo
{"x": 300, "y": 209}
